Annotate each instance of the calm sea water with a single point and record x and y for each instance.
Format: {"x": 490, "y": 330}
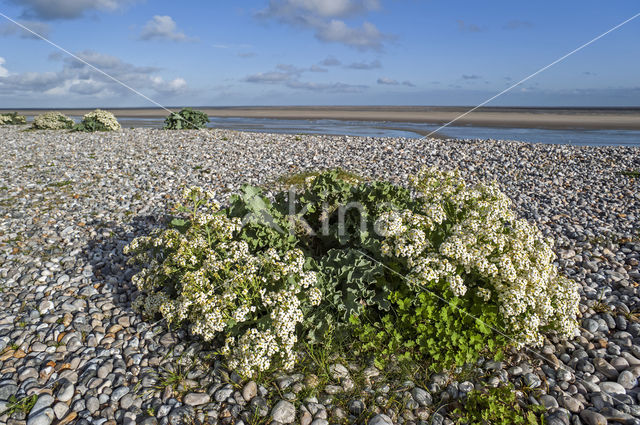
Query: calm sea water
{"x": 410, "y": 130}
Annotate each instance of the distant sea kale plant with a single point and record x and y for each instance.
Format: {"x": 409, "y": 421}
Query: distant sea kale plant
{"x": 98, "y": 120}
{"x": 52, "y": 121}
{"x": 12, "y": 118}
{"x": 437, "y": 272}
{"x": 186, "y": 119}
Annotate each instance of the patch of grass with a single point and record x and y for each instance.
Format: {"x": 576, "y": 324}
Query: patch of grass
{"x": 174, "y": 378}
{"x": 630, "y": 173}
{"x": 298, "y": 179}
{"x": 60, "y": 183}
{"x": 601, "y": 307}
{"x": 23, "y": 405}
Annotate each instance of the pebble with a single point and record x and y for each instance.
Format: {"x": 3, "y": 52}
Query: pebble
{"x": 250, "y": 390}
{"x": 592, "y": 418}
{"x": 284, "y": 412}
{"x": 196, "y": 399}
{"x": 380, "y": 420}
{"x": 61, "y": 256}
{"x": 612, "y": 388}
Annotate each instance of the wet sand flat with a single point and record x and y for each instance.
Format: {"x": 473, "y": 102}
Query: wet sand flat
{"x": 549, "y": 118}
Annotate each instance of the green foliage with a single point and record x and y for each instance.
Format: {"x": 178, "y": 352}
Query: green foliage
{"x": 299, "y": 179}
{"x": 186, "y": 119}
{"x": 497, "y": 406}
{"x": 98, "y": 120}
{"x": 22, "y": 405}
{"x": 423, "y": 275}
{"x": 263, "y": 225}
{"x": 12, "y": 118}
{"x": 630, "y": 173}
{"x": 448, "y": 331}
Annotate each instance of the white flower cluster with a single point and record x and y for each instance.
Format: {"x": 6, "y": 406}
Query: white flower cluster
{"x": 222, "y": 289}
{"x": 52, "y": 121}
{"x": 106, "y": 118}
{"x": 463, "y": 232}
{"x": 12, "y": 119}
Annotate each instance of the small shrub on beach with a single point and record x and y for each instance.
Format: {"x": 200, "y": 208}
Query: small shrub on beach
{"x": 12, "y": 118}
{"x": 438, "y": 272}
{"x": 52, "y": 121}
{"x": 98, "y": 120}
{"x": 186, "y": 119}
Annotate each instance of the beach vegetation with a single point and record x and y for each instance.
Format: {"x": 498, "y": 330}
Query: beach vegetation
{"x": 19, "y": 405}
{"x": 497, "y": 406}
{"x": 438, "y": 272}
{"x": 630, "y": 173}
{"x": 186, "y": 119}
{"x": 52, "y": 121}
{"x": 12, "y": 118}
{"x": 98, "y": 120}
{"x": 299, "y": 179}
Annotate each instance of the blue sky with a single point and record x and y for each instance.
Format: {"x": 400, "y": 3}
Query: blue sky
{"x": 313, "y": 52}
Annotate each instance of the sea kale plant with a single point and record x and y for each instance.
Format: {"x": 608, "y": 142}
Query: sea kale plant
{"x": 98, "y": 120}
{"x": 186, "y": 119}
{"x": 52, "y": 121}
{"x": 12, "y": 118}
{"x": 436, "y": 272}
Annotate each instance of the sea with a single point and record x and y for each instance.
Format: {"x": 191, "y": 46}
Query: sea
{"x": 409, "y": 130}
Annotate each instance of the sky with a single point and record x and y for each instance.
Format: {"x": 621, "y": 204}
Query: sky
{"x": 317, "y": 52}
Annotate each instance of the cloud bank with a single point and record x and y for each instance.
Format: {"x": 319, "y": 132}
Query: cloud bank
{"x": 326, "y": 18}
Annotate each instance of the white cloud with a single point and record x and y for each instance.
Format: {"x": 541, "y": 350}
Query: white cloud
{"x": 66, "y": 9}
{"x": 38, "y": 27}
{"x": 162, "y": 28}
{"x": 174, "y": 86}
{"x": 365, "y": 65}
{"x": 289, "y": 76}
{"x": 3, "y": 71}
{"x": 391, "y": 82}
{"x": 387, "y": 81}
{"x": 326, "y": 87}
{"x": 365, "y": 37}
{"x": 331, "y": 61}
{"x": 326, "y": 19}
{"x": 288, "y": 9}
{"x": 269, "y": 77}
{"x": 316, "y": 68}
{"x": 77, "y": 78}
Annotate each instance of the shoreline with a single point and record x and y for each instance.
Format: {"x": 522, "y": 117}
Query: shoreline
{"x": 498, "y": 117}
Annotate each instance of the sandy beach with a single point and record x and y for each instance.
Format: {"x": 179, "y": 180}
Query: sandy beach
{"x": 547, "y": 118}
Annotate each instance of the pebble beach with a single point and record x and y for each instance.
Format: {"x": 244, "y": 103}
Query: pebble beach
{"x": 70, "y": 202}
